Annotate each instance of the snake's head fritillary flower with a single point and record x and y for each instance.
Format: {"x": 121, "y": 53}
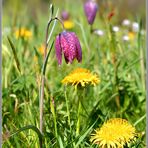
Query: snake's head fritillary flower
{"x": 64, "y": 15}
{"x": 90, "y": 8}
{"x": 115, "y": 133}
{"x": 68, "y": 44}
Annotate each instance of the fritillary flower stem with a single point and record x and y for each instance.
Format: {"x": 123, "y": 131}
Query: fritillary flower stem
{"x": 91, "y": 29}
{"x": 68, "y": 112}
{"x": 41, "y": 92}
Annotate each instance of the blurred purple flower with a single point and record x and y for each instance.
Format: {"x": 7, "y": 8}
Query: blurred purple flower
{"x": 68, "y": 43}
{"x": 90, "y": 8}
{"x": 64, "y": 15}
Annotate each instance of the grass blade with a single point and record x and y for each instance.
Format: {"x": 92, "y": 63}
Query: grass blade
{"x": 60, "y": 142}
{"x": 142, "y": 118}
{"x": 34, "y": 128}
{"x": 15, "y": 54}
{"x": 84, "y": 135}
{"x": 38, "y": 56}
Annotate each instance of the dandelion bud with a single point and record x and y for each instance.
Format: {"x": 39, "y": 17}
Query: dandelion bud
{"x": 90, "y": 8}
{"x": 68, "y": 44}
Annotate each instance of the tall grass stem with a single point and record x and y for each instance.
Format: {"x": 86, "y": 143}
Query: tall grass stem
{"x": 67, "y": 106}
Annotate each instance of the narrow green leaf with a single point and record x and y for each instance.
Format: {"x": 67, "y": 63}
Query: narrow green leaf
{"x": 60, "y": 142}
{"x": 38, "y": 56}
{"x": 34, "y": 128}
{"x": 84, "y": 135}
{"x": 46, "y": 59}
{"x": 54, "y": 24}
{"x": 15, "y": 54}
{"x": 51, "y": 10}
{"x": 138, "y": 121}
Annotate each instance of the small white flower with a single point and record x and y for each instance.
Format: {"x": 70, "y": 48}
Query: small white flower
{"x": 115, "y": 28}
{"x": 143, "y": 32}
{"x": 6, "y": 30}
{"x": 99, "y": 32}
{"x": 126, "y": 22}
{"x": 125, "y": 38}
{"x": 135, "y": 27}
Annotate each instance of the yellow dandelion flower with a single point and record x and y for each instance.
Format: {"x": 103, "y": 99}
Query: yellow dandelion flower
{"x": 23, "y": 32}
{"x": 81, "y": 76}
{"x": 131, "y": 35}
{"x": 115, "y": 133}
{"x": 68, "y": 24}
{"x": 41, "y": 49}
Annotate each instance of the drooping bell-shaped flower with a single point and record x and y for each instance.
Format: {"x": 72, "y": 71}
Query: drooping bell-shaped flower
{"x": 90, "y": 8}
{"x": 68, "y": 44}
{"x": 64, "y": 15}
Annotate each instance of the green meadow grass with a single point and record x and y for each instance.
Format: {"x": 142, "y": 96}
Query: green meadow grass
{"x": 120, "y": 66}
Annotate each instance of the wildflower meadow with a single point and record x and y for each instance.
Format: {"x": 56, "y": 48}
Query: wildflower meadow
{"x": 74, "y": 74}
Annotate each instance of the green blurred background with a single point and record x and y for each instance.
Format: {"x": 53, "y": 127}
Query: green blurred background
{"x": 125, "y": 8}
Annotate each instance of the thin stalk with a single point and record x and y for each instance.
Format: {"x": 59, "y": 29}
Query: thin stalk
{"x": 54, "y": 115}
{"x": 142, "y": 68}
{"x": 117, "y": 98}
{"x": 83, "y": 107}
{"x": 43, "y": 73}
{"x": 53, "y": 27}
{"x": 84, "y": 37}
{"x": 141, "y": 54}
{"x": 47, "y": 39}
{"x": 81, "y": 95}
{"x": 68, "y": 112}
{"x": 78, "y": 121}
{"x": 140, "y": 120}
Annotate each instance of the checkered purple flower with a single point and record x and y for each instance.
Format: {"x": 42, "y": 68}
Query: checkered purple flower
{"x": 64, "y": 15}
{"x": 68, "y": 43}
{"x": 90, "y": 8}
